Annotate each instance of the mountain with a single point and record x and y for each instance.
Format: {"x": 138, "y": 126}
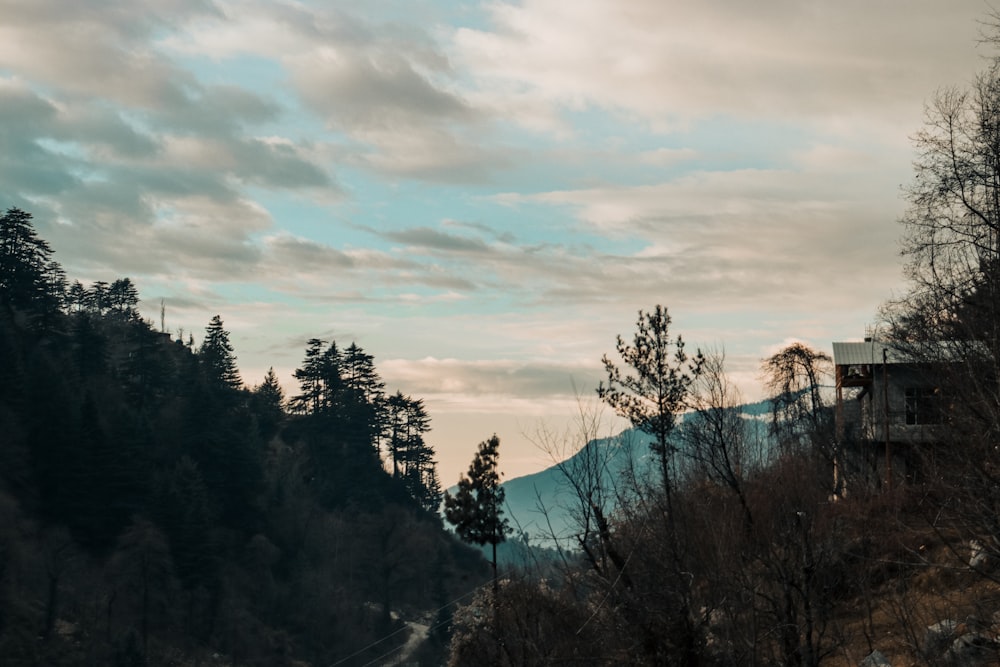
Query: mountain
{"x": 542, "y": 505}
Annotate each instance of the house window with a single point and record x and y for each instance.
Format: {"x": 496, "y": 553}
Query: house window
{"x": 923, "y": 405}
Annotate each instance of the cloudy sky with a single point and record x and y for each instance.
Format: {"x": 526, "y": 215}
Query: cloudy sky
{"x": 481, "y": 194}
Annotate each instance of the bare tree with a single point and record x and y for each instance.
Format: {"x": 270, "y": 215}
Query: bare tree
{"x": 794, "y": 379}
{"x": 950, "y": 317}
{"x": 722, "y": 444}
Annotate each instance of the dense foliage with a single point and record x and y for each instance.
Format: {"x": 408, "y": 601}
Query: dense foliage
{"x": 154, "y": 510}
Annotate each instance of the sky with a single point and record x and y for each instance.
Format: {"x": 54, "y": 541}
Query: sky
{"x": 480, "y": 194}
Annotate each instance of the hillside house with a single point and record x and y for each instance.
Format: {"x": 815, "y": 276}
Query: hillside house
{"x": 888, "y": 401}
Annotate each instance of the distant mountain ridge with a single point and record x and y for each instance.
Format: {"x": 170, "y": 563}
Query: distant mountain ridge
{"x": 540, "y": 505}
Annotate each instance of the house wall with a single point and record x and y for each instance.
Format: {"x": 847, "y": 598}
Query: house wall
{"x": 901, "y": 378}
{"x": 865, "y": 459}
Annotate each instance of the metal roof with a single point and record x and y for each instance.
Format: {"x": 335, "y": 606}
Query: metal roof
{"x": 868, "y": 352}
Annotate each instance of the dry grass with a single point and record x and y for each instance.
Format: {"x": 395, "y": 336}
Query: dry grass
{"x": 917, "y": 576}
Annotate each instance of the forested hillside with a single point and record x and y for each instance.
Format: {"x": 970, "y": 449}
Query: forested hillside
{"x": 156, "y": 510}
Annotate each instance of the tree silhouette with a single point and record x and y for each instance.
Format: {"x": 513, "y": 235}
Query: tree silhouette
{"x": 475, "y": 509}
{"x": 319, "y": 379}
{"x": 310, "y": 377}
{"x": 657, "y": 390}
{"x": 793, "y": 376}
{"x": 29, "y": 278}
{"x": 217, "y": 359}
{"x": 363, "y": 398}
{"x": 123, "y": 297}
{"x": 269, "y": 403}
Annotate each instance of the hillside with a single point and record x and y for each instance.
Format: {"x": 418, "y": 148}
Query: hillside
{"x": 154, "y": 510}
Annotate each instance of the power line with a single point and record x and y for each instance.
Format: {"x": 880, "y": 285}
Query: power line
{"x": 621, "y": 572}
{"x": 396, "y": 632}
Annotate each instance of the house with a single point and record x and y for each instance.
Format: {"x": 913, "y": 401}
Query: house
{"x": 889, "y": 401}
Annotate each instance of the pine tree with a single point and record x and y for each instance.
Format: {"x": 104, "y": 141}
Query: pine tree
{"x": 396, "y": 429}
{"x": 475, "y": 510}
{"x": 319, "y": 380}
{"x": 654, "y": 387}
{"x": 123, "y": 297}
{"x": 270, "y": 393}
{"x": 217, "y": 359}
{"x": 97, "y": 297}
{"x": 359, "y": 374}
{"x": 421, "y": 477}
{"x": 29, "y": 278}
{"x": 407, "y": 423}
{"x": 331, "y": 380}
{"x": 413, "y": 458}
{"x": 310, "y": 377}
{"x": 184, "y": 511}
{"x": 76, "y": 297}
{"x": 269, "y": 404}
{"x": 363, "y": 398}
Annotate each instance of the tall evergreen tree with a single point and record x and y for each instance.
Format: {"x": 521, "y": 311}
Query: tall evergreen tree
{"x": 123, "y": 297}
{"x": 97, "y": 297}
{"x": 359, "y": 374}
{"x": 476, "y": 508}
{"x": 332, "y": 381}
{"x": 29, "y": 277}
{"x": 411, "y": 457}
{"x": 269, "y": 403}
{"x": 76, "y": 297}
{"x": 396, "y": 429}
{"x": 654, "y": 386}
{"x": 270, "y": 393}
{"x": 217, "y": 358}
{"x": 319, "y": 380}
{"x": 407, "y": 421}
{"x": 363, "y": 397}
{"x": 310, "y": 377}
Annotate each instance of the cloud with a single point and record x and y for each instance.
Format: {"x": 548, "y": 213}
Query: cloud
{"x": 195, "y": 235}
{"x": 378, "y": 89}
{"x": 433, "y": 154}
{"x": 413, "y": 123}
{"x": 96, "y": 50}
{"x": 214, "y": 110}
{"x": 731, "y": 237}
{"x": 146, "y": 167}
{"x": 265, "y": 162}
{"x": 384, "y": 84}
{"x": 432, "y": 239}
{"x": 454, "y": 377}
{"x": 666, "y": 156}
{"x": 668, "y": 64}
{"x": 307, "y": 256}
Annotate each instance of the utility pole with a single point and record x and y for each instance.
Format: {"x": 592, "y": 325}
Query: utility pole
{"x": 885, "y": 402}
